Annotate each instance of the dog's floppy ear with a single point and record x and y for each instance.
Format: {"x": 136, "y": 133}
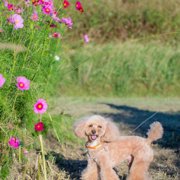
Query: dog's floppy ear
{"x": 111, "y": 133}
{"x": 79, "y": 128}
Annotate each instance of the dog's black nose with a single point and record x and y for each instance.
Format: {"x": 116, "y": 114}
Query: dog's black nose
{"x": 93, "y": 131}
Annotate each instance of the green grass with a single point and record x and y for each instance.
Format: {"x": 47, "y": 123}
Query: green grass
{"x": 25, "y": 52}
{"x": 121, "y": 69}
{"x": 62, "y": 128}
{"x": 106, "y": 20}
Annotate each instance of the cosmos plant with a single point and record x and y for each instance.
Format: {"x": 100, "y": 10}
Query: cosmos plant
{"x": 47, "y": 8}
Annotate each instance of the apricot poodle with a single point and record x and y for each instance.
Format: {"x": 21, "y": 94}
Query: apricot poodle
{"x": 107, "y": 149}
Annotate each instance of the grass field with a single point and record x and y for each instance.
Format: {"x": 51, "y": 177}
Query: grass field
{"x": 121, "y": 69}
{"x": 106, "y": 21}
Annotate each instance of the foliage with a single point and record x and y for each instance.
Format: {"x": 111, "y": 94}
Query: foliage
{"x": 107, "y": 20}
{"x": 121, "y": 69}
{"x": 28, "y": 52}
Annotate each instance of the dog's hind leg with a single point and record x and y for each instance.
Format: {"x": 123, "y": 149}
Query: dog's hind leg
{"x": 139, "y": 171}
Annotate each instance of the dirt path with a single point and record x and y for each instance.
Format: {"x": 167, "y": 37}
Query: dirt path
{"x": 128, "y": 114}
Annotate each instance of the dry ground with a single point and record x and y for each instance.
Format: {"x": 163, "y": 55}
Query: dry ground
{"x": 65, "y": 162}
{"x": 128, "y": 114}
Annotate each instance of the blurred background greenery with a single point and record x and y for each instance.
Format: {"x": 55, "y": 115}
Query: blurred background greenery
{"x": 133, "y": 51}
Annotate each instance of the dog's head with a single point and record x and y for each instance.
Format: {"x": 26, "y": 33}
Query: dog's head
{"x": 96, "y": 128}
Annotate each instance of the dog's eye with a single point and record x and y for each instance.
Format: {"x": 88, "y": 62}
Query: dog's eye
{"x": 90, "y": 125}
{"x": 99, "y": 126}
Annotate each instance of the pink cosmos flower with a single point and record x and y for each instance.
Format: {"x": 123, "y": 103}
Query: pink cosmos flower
{"x": 18, "y": 10}
{"x": 23, "y": 83}
{"x": 41, "y": 2}
{"x": 25, "y": 151}
{"x": 5, "y": 3}
{"x": 14, "y": 142}
{"x": 86, "y": 38}
{"x": 54, "y": 14}
{"x": 40, "y": 106}
{"x": 27, "y": 3}
{"x": 67, "y": 21}
{"x": 48, "y": 2}
{"x": 56, "y": 35}
{"x": 55, "y": 18}
{"x": 34, "y": 16}
{"x": 17, "y": 21}
{"x": 2, "y": 80}
{"x": 47, "y": 10}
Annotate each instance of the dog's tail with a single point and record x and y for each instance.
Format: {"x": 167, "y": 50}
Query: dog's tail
{"x": 155, "y": 132}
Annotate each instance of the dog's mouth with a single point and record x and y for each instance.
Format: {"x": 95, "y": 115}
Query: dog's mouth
{"x": 93, "y": 137}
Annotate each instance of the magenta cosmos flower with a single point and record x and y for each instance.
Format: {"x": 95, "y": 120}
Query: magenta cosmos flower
{"x": 47, "y": 9}
{"x": 17, "y": 21}
{"x": 34, "y": 16}
{"x": 39, "y": 126}
{"x": 2, "y": 80}
{"x": 14, "y": 142}
{"x": 10, "y": 7}
{"x": 40, "y": 106}
{"x": 23, "y": 83}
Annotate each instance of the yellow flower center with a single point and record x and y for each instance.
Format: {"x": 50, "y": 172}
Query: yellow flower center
{"x": 47, "y": 10}
{"x": 16, "y": 21}
{"x": 21, "y": 84}
{"x": 39, "y": 106}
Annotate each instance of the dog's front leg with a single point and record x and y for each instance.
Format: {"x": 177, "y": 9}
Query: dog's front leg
{"x": 91, "y": 172}
{"x": 106, "y": 169}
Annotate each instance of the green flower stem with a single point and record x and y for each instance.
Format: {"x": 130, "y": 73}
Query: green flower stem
{"x": 43, "y": 156}
{"x": 40, "y": 117}
{"x": 39, "y": 166}
{"x": 15, "y": 101}
{"x": 20, "y": 159}
{"x": 54, "y": 128}
{"x": 13, "y": 66}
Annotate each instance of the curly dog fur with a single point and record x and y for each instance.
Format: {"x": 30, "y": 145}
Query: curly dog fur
{"x": 106, "y": 149}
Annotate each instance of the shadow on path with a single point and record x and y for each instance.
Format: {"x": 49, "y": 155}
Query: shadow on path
{"x": 71, "y": 166}
{"x": 133, "y": 116}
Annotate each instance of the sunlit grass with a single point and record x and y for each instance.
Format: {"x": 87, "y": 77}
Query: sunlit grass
{"x": 121, "y": 69}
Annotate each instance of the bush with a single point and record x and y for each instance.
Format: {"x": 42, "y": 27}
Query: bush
{"x": 107, "y": 20}
{"x": 29, "y": 52}
{"x": 121, "y": 69}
